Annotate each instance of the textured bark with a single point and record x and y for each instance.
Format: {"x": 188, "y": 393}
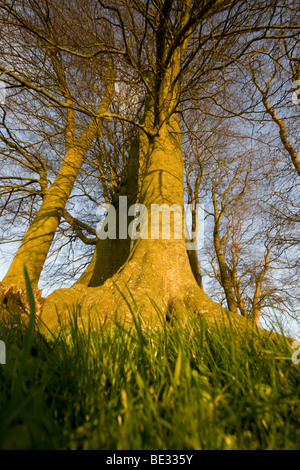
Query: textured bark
{"x": 195, "y": 266}
{"x": 15, "y": 309}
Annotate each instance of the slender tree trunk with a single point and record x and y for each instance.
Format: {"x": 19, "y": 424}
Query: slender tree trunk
{"x": 257, "y": 300}
{"x": 279, "y": 122}
{"x": 37, "y": 241}
{"x": 236, "y": 285}
{"x": 225, "y": 278}
{"x": 39, "y": 236}
{"x": 192, "y": 253}
{"x": 239, "y": 298}
{"x": 224, "y": 274}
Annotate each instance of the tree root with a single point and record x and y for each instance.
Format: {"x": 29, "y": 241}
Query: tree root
{"x": 14, "y": 304}
{"x": 156, "y": 285}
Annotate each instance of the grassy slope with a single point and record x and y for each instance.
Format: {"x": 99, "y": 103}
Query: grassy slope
{"x": 142, "y": 389}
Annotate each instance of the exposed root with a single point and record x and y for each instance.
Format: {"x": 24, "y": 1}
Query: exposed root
{"x": 158, "y": 285}
{"x": 14, "y": 303}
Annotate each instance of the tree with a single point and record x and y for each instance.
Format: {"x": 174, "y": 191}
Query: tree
{"x": 172, "y": 55}
{"x": 47, "y": 95}
{"x": 172, "y": 48}
{"x": 269, "y": 107}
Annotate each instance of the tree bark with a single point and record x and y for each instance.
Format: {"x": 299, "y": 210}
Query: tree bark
{"x": 195, "y": 266}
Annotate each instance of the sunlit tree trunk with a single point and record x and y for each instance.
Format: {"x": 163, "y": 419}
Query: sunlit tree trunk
{"x": 37, "y": 241}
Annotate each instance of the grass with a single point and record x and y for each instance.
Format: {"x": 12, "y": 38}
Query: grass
{"x": 91, "y": 388}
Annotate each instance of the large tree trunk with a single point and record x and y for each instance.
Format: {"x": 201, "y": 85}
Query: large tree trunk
{"x": 157, "y": 270}
{"x": 108, "y": 257}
